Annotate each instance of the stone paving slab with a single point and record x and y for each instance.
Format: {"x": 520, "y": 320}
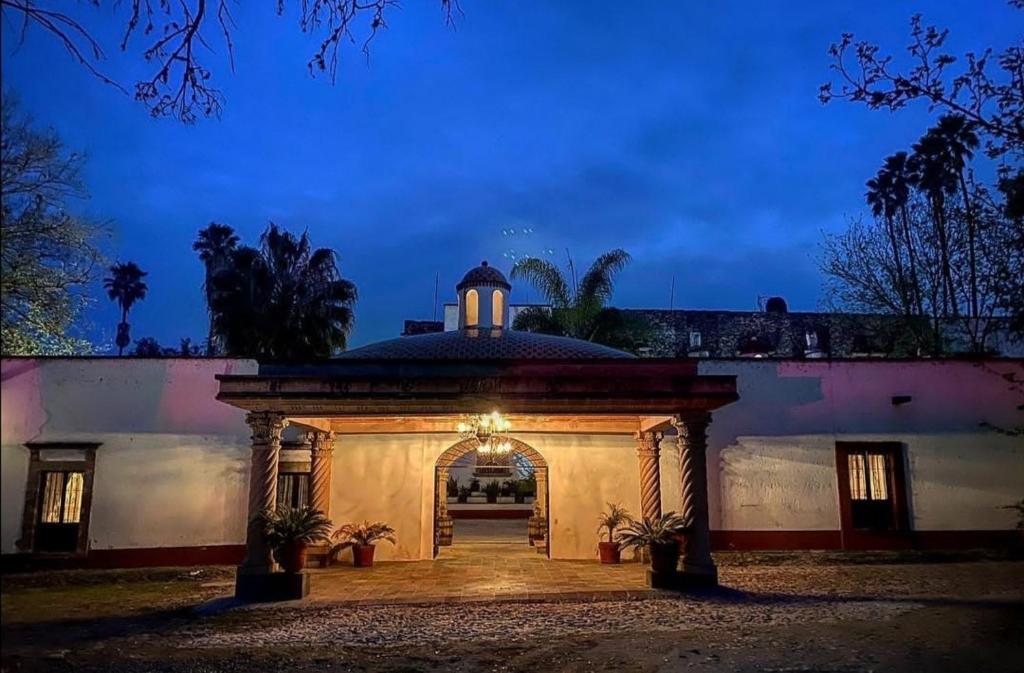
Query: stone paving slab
{"x": 479, "y": 571}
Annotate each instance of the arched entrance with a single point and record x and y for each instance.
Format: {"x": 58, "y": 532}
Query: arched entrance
{"x": 539, "y": 529}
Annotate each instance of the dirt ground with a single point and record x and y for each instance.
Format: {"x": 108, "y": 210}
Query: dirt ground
{"x": 800, "y": 614}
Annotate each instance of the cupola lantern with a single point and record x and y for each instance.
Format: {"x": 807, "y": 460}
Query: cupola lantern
{"x": 483, "y": 298}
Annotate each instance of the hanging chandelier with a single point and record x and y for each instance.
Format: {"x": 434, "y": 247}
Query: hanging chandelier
{"x": 489, "y": 430}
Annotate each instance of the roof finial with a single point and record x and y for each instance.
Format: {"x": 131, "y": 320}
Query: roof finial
{"x": 483, "y": 263}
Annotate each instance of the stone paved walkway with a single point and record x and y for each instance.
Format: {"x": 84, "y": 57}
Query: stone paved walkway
{"x": 489, "y": 560}
{"x": 478, "y": 572}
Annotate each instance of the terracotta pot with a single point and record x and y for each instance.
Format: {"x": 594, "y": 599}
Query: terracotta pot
{"x": 292, "y": 557}
{"x": 609, "y": 552}
{"x": 664, "y": 556}
{"x": 362, "y": 555}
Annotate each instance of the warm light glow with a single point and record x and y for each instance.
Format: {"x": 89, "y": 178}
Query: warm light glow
{"x": 497, "y": 309}
{"x": 472, "y": 308}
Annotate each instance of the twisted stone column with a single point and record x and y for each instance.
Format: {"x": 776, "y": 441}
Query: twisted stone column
{"x": 541, "y": 507}
{"x": 266, "y": 452}
{"x": 442, "y": 522}
{"x": 696, "y": 562}
{"x": 321, "y": 458}
{"x": 648, "y": 450}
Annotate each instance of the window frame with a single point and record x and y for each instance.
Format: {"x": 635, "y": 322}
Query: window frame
{"x": 472, "y": 316}
{"x": 857, "y": 538}
{"x": 38, "y": 466}
{"x": 294, "y": 473}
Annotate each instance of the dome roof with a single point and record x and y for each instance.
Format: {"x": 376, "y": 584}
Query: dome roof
{"x": 483, "y": 344}
{"x": 484, "y": 275}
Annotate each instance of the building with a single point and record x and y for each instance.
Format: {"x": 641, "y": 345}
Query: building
{"x": 775, "y": 332}
{"x": 125, "y": 462}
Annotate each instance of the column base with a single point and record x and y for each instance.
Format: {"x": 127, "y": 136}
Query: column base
{"x": 682, "y": 581}
{"x": 269, "y": 587}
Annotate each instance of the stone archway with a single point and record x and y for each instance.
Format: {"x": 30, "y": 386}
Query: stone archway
{"x": 539, "y": 522}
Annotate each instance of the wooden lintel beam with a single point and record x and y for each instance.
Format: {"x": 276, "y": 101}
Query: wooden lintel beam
{"x": 446, "y": 424}
{"x": 655, "y": 423}
{"x": 320, "y": 424}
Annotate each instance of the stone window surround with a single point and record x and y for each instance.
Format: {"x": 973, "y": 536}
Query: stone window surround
{"x": 56, "y": 462}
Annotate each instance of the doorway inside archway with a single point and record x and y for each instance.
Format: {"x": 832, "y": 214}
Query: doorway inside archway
{"x": 486, "y": 509}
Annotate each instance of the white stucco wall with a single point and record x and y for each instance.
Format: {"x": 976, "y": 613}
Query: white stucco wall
{"x": 771, "y": 458}
{"x": 173, "y": 466}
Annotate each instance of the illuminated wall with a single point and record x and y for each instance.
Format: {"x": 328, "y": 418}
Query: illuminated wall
{"x": 173, "y": 466}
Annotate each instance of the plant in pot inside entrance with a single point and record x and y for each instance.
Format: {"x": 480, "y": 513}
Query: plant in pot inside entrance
{"x": 362, "y": 539}
{"x": 453, "y": 488}
{"x": 290, "y": 530}
{"x": 491, "y": 490}
{"x": 611, "y": 520}
{"x": 663, "y": 538}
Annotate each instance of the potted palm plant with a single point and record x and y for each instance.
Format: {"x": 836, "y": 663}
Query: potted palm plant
{"x": 508, "y": 492}
{"x": 290, "y": 530}
{"x": 362, "y": 538}
{"x": 453, "y": 488}
{"x": 663, "y": 538}
{"x": 611, "y": 520}
{"x": 491, "y": 490}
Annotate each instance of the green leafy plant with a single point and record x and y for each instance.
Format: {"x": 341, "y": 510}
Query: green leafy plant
{"x": 508, "y": 488}
{"x": 639, "y": 533}
{"x": 614, "y": 518}
{"x": 288, "y": 525}
{"x": 464, "y": 493}
{"x": 524, "y": 488}
{"x": 453, "y": 486}
{"x": 491, "y": 490}
{"x": 579, "y": 306}
{"x": 364, "y": 534}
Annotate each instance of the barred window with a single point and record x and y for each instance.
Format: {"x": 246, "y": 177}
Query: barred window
{"x": 293, "y": 489}
{"x": 62, "y": 497}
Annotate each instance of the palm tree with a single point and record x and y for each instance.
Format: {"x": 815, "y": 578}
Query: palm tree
{"x": 125, "y": 286}
{"x": 900, "y": 180}
{"x": 882, "y": 199}
{"x": 578, "y": 307}
{"x": 215, "y": 245}
{"x": 282, "y": 301}
{"x": 961, "y": 140}
{"x": 930, "y": 164}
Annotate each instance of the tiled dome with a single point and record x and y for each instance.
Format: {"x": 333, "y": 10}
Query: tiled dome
{"x": 483, "y": 344}
{"x": 483, "y": 275}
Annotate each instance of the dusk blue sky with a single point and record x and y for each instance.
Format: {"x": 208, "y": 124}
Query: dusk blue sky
{"x": 688, "y": 133}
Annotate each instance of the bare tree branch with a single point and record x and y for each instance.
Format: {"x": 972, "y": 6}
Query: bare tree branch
{"x": 182, "y": 84}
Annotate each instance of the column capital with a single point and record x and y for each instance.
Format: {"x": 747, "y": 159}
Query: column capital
{"x": 320, "y": 441}
{"x": 691, "y": 428}
{"x": 648, "y": 443}
{"x": 266, "y": 427}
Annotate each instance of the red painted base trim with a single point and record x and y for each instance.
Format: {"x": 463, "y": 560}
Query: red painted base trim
{"x": 789, "y": 540}
{"x": 490, "y": 513}
{"x": 229, "y": 554}
{"x": 721, "y": 540}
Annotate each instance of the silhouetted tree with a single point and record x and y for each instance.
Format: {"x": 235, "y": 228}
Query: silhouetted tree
{"x": 579, "y": 306}
{"x": 125, "y": 286}
{"x": 282, "y": 301}
{"x": 181, "y": 84}
{"x": 49, "y": 256}
{"x": 991, "y": 102}
{"x": 215, "y": 245}
{"x": 149, "y": 347}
